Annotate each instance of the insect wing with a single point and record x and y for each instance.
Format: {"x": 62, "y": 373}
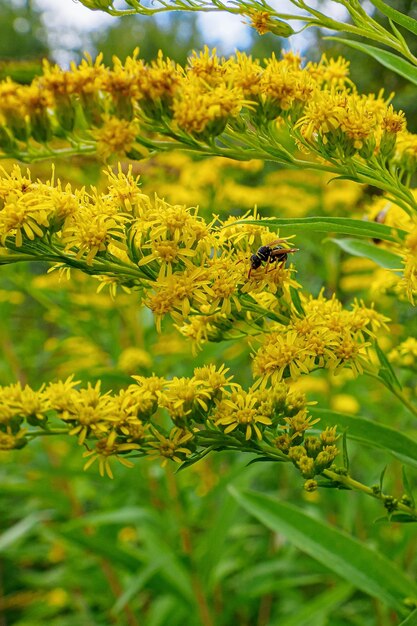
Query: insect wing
{"x": 282, "y": 252}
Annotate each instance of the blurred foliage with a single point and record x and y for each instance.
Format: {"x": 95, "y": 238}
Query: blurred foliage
{"x": 22, "y": 33}
{"x": 177, "y": 35}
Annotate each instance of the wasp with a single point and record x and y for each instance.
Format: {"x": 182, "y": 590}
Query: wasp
{"x": 272, "y": 253}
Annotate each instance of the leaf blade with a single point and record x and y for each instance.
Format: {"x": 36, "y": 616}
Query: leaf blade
{"x": 371, "y": 434}
{"x": 342, "y": 225}
{"x": 389, "y": 60}
{"x": 380, "y": 256}
{"x": 396, "y": 16}
{"x": 352, "y": 560}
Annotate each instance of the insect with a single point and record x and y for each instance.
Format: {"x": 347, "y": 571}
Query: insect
{"x": 272, "y": 253}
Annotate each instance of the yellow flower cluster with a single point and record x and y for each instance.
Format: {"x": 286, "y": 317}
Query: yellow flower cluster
{"x": 117, "y": 109}
{"x": 405, "y": 354}
{"x": 194, "y": 271}
{"x": 383, "y": 211}
{"x": 409, "y": 255}
{"x": 325, "y": 336}
{"x": 206, "y": 411}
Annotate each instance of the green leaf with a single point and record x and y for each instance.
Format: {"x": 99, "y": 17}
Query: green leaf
{"x": 400, "y": 518}
{"x": 407, "y": 488}
{"x": 136, "y": 584}
{"x": 345, "y": 451}
{"x": 343, "y": 225}
{"x": 319, "y": 607}
{"x": 379, "y": 255}
{"x": 411, "y": 620}
{"x": 295, "y": 298}
{"x": 387, "y": 59}
{"x": 366, "y": 569}
{"x": 371, "y": 434}
{"x": 381, "y": 479}
{"x": 386, "y": 371}
{"x": 403, "y": 20}
{"x": 21, "y": 528}
{"x": 124, "y": 516}
{"x": 130, "y": 559}
{"x": 264, "y": 459}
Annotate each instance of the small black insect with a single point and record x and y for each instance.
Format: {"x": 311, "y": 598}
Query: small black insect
{"x": 270, "y": 254}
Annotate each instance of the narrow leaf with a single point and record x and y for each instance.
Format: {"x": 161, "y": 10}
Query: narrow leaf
{"x": 345, "y": 451}
{"x": 343, "y": 225}
{"x": 21, "y": 528}
{"x": 126, "y": 515}
{"x": 371, "y": 434}
{"x": 366, "y": 569}
{"x": 411, "y": 620}
{"x": 295, "y": 298}
{"x": 135, "y": 585}
{"x": 389, "y": 60}
{"x": 381, "y": 479}
{"x": 386, "y": 369}
{"x": 403, "y": 20}
{"x": 407, "y": 487}
{"x": 379, "y": 255}
{"x": 317, "y": 608}
{"x": 400, "y": 518}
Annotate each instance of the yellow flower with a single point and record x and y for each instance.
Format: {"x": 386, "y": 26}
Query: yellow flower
{"x": 90, "y": 232}
{"x": 393, "y": 122}
{"x": 285, "y": 85}
{"x": 245, "y": 73}
{"x": 323, "y": 115}
{"x": 159, "y": 82}
{"x": 175, "y": 447}
{"x": 299, "y": 423}
{"x": 11, "y": 441}
{"x": 178, "y": 294}
{"x": 223, "y": 292}
{"x": 133, "y": 358}
{"x": 148, "y": 384}
{"x": 25, "y": 402}
{"x": 260, "y": 21}
{"x": 25, "y": 214}
{"x": 406, "y": 151}
{"x": 184, "y": 397}
{"x": 215, "y": 380}
{"x": 206, "y": 65}
{"x": 115, "y": 137}
{"x": 89, "y": 413}
{"x": 203, "y": 328}
{"x": 124, "y": 187}
{"x": 62, "y": 395}
{"x": 265, "y": 22}
{"x": 281, "y": 353}
{"x": 349, "y": 352}
{"x": 104, "y": 449}
{"x": 198, "y": 107}
{"x": 166, "y": 253}
{"x": 241, "y": 411}
{"x": 409, "y": 281}
{"x": 334, "y": 72}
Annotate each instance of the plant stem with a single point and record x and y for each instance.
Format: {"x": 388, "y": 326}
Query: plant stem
{"x": 397, "y": 393}
{"x": 355, "y": 485}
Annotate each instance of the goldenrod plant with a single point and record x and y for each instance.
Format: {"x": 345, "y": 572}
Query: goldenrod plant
{"x": 294, "y": 170}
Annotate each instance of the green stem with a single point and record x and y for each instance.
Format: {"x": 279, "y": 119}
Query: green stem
{"x": 396, "y": 392}
{"x": 401, "y": 396}
{"x": 46, "y": 433}
{"x": 43, "y": 155}
{"x": 355, "y": 485}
